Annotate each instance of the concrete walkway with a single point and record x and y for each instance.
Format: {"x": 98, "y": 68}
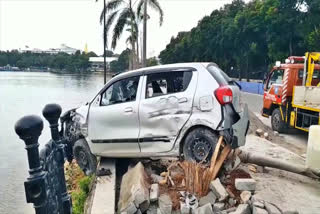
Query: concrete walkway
{"x": 104, "y": 195}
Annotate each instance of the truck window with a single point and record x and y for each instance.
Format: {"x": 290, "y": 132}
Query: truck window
{"x": 275, "y": 78}
{"x": 316, "y": 74}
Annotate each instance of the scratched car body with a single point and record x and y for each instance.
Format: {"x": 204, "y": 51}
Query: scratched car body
{"x": 166, "y": 110}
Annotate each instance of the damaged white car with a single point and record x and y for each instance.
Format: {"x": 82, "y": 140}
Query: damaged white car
{"x": 167, "y": 110}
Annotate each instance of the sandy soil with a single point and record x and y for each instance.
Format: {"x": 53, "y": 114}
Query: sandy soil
{"x": 287, "y": 190}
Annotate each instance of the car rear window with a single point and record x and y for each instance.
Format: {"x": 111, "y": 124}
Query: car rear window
{"x": 159, "y": 84}
{"x": 221, "y": 77}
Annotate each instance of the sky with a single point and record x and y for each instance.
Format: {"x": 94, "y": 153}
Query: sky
{"x": 48, "y": 23}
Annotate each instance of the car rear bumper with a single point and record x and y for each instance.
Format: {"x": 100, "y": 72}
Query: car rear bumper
{"x": 236, "y": 126}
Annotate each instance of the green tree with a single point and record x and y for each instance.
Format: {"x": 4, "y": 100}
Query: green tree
{"x": 143, "y": 4}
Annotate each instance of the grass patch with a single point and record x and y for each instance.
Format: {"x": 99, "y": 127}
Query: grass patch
{"x": 78, "y": 185}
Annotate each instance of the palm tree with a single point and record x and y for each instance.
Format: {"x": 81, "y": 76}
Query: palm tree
{"x": 154, "y": 4}
{"x": 122, "y": 13}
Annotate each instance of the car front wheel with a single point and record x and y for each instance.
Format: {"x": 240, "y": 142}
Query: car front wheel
{"x": 85, "y": 159}
{"x": 199, "y": 145}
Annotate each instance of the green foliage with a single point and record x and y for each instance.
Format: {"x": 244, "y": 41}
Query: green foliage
{"x": 122, "y": 64}
{"x": 249, "y": 36}
{"x": 79, "y": 197}
{"x": 61, "y": 61}
{"x": 152, "y": 61}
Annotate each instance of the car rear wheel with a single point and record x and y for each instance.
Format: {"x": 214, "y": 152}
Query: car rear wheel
{"x": 85, "y": 159}
{"x": 199, "y": 145}
{"x": 276, "y": 121}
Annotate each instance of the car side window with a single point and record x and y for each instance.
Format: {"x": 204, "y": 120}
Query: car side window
{"x": 159, "y": 84}
{"x": 276, "y": 77}
{"x": 124, "y": 90}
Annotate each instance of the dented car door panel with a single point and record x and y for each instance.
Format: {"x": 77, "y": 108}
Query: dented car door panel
{"x": 113, "y": 126}
{"x": 163, "y": 116}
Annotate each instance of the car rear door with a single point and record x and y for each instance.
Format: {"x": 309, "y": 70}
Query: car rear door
{"x": 165, "y": 106}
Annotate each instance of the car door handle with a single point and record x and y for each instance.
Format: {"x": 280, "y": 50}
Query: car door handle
{"x": 183, "y": 100}
{"x": 128, "y": 109}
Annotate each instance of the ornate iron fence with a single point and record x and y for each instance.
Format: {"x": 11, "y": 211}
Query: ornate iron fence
{"x": 46, "y": 185}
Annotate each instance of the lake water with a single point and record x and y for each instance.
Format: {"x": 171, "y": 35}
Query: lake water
{"x": 23, "y": 93}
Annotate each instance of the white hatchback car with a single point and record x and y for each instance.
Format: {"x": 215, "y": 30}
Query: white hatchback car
{"x": 167, "y": 110}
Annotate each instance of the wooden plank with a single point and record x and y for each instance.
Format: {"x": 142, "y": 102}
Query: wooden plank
{"x": 224, "y": 154}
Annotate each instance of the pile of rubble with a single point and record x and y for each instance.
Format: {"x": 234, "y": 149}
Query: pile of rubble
{"x": 143, "y": 190}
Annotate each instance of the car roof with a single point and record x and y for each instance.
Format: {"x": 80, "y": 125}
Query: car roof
{"x": 157, "y": 68}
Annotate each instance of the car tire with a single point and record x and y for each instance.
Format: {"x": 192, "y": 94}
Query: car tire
{"x": 277, "y": 123}
{"x": 199, "y": 145}
{"x": 85, "y": 159}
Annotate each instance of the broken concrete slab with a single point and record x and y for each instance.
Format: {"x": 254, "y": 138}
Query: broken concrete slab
{"x": 205, "y": 209}
{"x": 134, "y": 190}
{"x": 258, "y": 204}
{"x": 218, "y": 189}
{"x": 242, "y": 209}
{"x": 184, "y": 208}
{"x": 271, "y": 208}
{"x": 210, "y": 198}
{"x": 245, "y": 196}
{"x": 243, "y": 184}
{"x": 290, "y": 212}
{"x": 165, "y": 204}
{"x": 156, "y": 178}
{"x": 154, "y": 192}
{"x": 218, "y": 207}
{"x": 257, "y": 210}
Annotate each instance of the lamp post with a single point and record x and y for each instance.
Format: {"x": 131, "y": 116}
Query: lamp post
{"x": 104, "y": 43}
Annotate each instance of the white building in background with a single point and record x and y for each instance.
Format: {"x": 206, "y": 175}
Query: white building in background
{"x": 62, "y": 49}
{"x": 96, "y": 63}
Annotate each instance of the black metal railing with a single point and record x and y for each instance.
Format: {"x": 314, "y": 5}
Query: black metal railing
{"x": 46, "y": 185}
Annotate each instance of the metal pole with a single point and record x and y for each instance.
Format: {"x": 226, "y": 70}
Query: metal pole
{"x": 104, "y": 44}
{"x": 144, "y": 54}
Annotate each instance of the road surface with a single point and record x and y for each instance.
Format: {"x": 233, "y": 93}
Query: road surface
{"x": 294, "y": 136}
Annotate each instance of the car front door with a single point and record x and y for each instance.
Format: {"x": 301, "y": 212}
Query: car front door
{"x": 113, "y": 124}
{"x": 165, "y": 106}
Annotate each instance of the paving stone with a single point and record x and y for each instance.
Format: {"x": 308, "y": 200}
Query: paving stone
{"x": 210, "y": 198}
{"x": 154, "y": 192}
{"x": 258, "y": 204}
{"x": 130, "y": 209}
{"x": 218, "y": 189}
{"x": 257, "y": 210}
{"x": 245, "y": 184}
{"x": 245, "y": 196}
{"x": 218, "y": 207}
{"x": 205, "y": 209}
{"x": 232, "y": 202}
{"x": 152, "y": 209}
{"x": 290, "y": 212}
{"x": 271, "y": 208}
{"x": 165, "y": 204}
{"x": 159, "y": 211}
{"x": 156, "y": 178}
{"x": 242, "y": 209}
{"x": 184, "y": 209}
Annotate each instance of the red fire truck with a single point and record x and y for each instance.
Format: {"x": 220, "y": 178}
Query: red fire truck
{"x": 292, "y": 93}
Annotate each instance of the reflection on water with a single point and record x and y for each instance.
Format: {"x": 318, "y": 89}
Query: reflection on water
{"x": 23, "y": 93}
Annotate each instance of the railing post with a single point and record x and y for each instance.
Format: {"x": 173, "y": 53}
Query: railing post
{"x": 29, "y": 129}
{"x": 52, "y": 114}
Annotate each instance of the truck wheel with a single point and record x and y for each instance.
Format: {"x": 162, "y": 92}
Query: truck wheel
{"x": 199, "y": 145}
{"x": 85, "y": 159}
{"x": 276, "y": 121}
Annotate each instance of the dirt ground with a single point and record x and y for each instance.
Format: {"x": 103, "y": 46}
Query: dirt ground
{"x": 287, "y": 190}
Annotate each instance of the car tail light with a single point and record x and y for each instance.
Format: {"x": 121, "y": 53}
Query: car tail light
{"x": 223, "y": 95}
